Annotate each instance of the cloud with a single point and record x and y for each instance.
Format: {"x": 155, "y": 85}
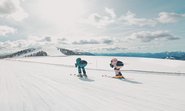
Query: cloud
{"x": 101, "y": 21}
{"x": 46, "y": 39}
{"x": 114, "y": 49}
{"x": 165, "y": 17}
{"x": 4, "y": 30}
{"x": 62, "y": 41}
{"x": 148, "y": 36}
{"x": 7, "y": 7}
{"x": 32, "y": 41}
{"x": 130, "y": 18}
{"x": 85, "y": 42}
{"x": 110, "y": 12}
{"x": 13, "y": 44}
{"x": 12, "y": 9}
{"x": 108, "y": 41}
{"x": 93, "y": 41}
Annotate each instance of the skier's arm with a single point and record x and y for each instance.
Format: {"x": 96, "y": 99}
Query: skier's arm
{"x": 111, "y": 65}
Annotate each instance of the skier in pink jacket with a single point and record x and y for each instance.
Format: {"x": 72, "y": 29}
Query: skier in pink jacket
{"x": 117, "y": 65}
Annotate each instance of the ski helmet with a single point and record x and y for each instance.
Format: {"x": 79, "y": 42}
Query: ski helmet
{"x": 114, "y": 60}
{"x": 78, "y": 60}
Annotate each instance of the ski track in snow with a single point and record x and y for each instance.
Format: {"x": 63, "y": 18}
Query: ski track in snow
{"x": 28, "y": 86}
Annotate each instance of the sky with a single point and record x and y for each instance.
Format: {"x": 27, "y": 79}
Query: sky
{"x": 103, "y": 26}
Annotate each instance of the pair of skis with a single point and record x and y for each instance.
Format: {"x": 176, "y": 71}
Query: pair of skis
{"x": 115, "y": 77}
{"x": 104, "y": 75}
{"x": 85, "y": 77}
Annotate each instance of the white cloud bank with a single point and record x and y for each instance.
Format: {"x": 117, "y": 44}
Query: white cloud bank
{"x": 130, "y": 18}
{"x": 12, "y": 9}
{"x": 32, "y": 41}
{"x": 165, "y": 17}
{"x": 93, "y": 42}
{"x": 4, "y": 30}
{"x": 148, "y": 36}
{"x": 99, "y": 20}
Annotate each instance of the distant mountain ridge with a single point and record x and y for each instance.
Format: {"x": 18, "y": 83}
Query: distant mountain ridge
{"x": 161, "y": 55}
{"x": 46, "y": 51}
{"x": 56, "y": 51}
{"x": 70, "y": 52}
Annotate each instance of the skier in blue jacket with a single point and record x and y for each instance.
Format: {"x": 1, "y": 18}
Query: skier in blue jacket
{"x": 80, "y": 64}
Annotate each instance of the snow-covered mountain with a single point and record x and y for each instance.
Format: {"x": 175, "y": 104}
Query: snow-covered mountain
{"x": 44, "y": 51}
{"x": 45, "y": 84}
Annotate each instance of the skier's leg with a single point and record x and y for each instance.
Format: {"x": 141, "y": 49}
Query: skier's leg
{"x": 79, "y": 72}
{"x": 119, "y": 72}
{"x": 84, "y": 72}
{"x": 116, "y": 71}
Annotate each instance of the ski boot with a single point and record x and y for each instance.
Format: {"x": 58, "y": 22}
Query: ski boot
{"x": 85, "y": 76}
{"x": 79, "y": 75}
{"x": 119, "y": 76}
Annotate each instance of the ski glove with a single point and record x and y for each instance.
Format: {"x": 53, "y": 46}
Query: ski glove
{"x": 111, "y": 66}
{"x": 75, "y": 65}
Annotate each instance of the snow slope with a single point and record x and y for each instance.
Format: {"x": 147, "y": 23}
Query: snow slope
{"x": 44, "y": 84}
{"x": 52, "y": 51}
{"x": 131, "y": 63}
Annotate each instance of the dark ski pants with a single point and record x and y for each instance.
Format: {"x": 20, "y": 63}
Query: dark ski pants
{"x": 81, "y": 69}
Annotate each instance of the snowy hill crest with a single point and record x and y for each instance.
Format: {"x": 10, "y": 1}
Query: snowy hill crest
{"x": 44, "y": 51}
